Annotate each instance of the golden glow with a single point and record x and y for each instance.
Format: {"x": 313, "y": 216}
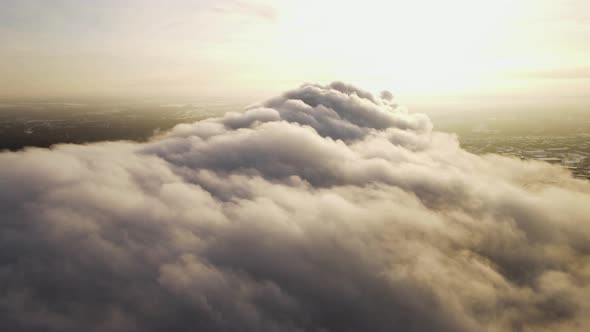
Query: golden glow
{"x": 428, "y": 45}
{"x": 257, "y": 46}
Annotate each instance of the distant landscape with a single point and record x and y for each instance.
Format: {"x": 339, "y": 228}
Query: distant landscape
{"x": 561, "y": 138}
{"x": 46, "y": 124}
{"x": 555, "y": 137}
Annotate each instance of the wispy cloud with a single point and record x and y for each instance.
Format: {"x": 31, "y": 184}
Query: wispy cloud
{"x": 239, "y": 7}
{"x": 561, "y": 73}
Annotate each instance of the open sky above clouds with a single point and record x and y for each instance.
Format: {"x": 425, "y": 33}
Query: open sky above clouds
{"x": 239, "y": 47}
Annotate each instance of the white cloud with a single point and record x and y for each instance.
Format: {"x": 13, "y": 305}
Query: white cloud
{"x": 326, "y": 208}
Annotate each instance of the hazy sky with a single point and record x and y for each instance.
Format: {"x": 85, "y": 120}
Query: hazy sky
{"x": 63, "y": 48}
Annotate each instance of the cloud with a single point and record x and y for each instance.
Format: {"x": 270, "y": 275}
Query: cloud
{"x": 261, "y": 10}
{"x": 561, "y": 73}
{"x": 324, "y": 209}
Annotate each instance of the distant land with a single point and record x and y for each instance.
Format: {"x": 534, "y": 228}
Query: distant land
{"x": 555, "y": 137}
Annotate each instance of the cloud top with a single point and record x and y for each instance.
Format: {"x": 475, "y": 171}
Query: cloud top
{"x": 324, "y": 209}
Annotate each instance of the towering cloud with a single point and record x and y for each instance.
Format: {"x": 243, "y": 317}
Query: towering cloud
{"x": 324, "y": 209}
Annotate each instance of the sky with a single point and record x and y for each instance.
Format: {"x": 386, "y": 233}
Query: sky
{"x": 226, "y": 48}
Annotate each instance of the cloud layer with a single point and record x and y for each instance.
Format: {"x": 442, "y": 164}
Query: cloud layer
{"x": 324, "y": 209}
